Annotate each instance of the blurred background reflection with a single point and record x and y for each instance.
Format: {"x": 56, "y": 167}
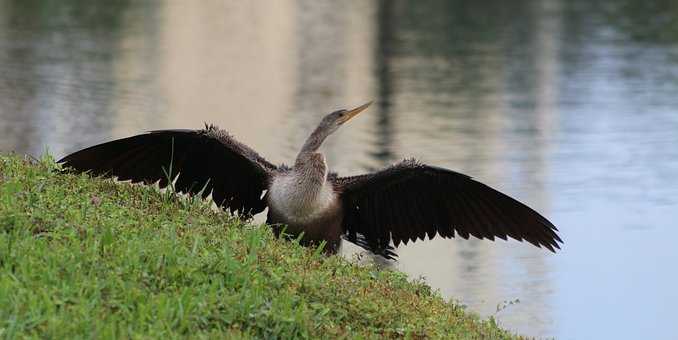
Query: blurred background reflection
{"x": 570, "y": 106}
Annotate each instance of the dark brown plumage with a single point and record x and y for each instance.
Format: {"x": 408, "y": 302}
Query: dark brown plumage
{"x": 203, "y": 157}
{"x": 377, "y": 211}
{"x": 382, "y": 208}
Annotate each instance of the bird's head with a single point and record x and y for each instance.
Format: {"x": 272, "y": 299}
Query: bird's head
{"x": 328, "y": 125}
{"x": 334, "y": 120}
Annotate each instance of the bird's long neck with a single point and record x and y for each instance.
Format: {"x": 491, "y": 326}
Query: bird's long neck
{"x": 314, "y": 141}
{"x": 310, "y": 166}
{"x": 311, "y": 171}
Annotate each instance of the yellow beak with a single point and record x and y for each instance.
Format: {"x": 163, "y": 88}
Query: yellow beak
{"x": 352, "y": 113}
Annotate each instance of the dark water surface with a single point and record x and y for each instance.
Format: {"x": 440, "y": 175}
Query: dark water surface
{"x": 570, "y": 106}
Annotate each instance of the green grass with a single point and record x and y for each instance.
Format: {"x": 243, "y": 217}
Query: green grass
{"x": 91, "y": 258}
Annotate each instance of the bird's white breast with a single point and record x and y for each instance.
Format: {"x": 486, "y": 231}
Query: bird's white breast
{"x": 297, "y": 200}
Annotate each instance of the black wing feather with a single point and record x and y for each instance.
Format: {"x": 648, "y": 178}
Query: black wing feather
{"x": 410, "y": 201}
{"x": 207, "y": 159}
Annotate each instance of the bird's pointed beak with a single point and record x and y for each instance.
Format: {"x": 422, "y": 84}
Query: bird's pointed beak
{"x": 354, "y": 112}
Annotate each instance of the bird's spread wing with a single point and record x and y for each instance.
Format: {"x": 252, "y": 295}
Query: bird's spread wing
{"x": 207, "y": 161}
{"x": 409, "y": 201}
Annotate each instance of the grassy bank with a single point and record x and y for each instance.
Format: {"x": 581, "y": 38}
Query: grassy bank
{"x": 82, "y": 257}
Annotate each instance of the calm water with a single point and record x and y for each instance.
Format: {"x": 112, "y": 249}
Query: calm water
{"x": 570, "y": 106}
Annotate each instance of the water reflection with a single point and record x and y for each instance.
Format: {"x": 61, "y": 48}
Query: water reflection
{"x": 482, "y": 109}
{"x": 384, "y": 45}
{"x": 569, "y": 106}
{"x": 45, "y": 79}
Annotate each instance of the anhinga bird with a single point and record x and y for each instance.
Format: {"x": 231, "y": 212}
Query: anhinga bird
{"x": 376, "y": 211}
